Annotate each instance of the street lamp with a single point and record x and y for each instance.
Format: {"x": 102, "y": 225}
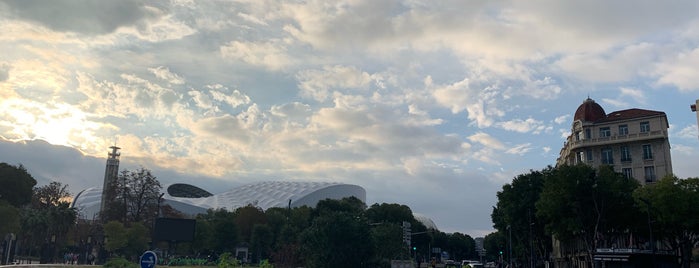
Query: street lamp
{"x": 650, "y": 229}
{"x": 509, "y": 244}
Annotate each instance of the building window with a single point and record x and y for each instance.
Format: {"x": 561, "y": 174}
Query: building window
{"x": 645, "y": 127}
{"x": 581, "y": 157}
{"x": 578, "y": 135}
{"x": 604, "y": 132}
{"x": 607, "y": 157}
{"x": 628, "y": 172}
{"x": 647, "y": 152}
{"x": 588, "y": 134}
{"x": 649, "y": 174}
{"x": 625, "y": 153}
{"x": 588, "y": 152}
{"x": 623, "y": 130}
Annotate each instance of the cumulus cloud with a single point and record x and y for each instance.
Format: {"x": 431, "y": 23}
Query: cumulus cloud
{"x": 610, "y": 65}
{"x": 520, "y": 149}
{"x": 562, "y": 119}
{"x": 487, "y": 140}
{"x": 270, "y": 54}
{"x": 480, "y": 102}
{"x": 636, "y": 94}
{"x": 165, "y": 74}
{"x": 523, "y": 126}
{"x": 319, "y": 84}
{"x": 680, "y": 70}
{"x": 689, "y": 132}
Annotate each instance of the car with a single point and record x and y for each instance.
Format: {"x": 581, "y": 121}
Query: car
{"x": 473, "y": 264}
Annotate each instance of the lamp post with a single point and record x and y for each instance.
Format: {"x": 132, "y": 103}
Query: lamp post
{"x": 650, "y": 230}
{"x": 509, "y": 245}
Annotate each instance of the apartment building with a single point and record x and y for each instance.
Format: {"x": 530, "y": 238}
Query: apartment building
{"x": 633, "y": 141}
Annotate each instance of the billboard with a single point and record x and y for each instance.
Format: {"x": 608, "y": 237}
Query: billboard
{"x": 170, "y": 229}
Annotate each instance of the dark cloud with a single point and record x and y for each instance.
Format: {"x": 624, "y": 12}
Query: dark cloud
{"x": 82, "y": 16}
{"x": 47, "y": 162}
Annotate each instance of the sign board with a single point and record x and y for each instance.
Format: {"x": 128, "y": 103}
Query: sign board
{"x": 149, "y": 259}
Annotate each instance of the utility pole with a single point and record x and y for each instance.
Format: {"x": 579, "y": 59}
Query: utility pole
{"x": 509, "y": 246}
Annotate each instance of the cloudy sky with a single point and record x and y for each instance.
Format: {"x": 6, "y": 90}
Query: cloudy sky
{"x": 431, "y": 104}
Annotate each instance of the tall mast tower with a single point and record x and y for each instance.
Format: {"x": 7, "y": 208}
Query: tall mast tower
{"x": 111, "y": 173}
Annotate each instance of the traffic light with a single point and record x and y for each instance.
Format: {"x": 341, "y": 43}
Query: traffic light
{"x": 501, "y": 252}
{"x": 414, "y": 248}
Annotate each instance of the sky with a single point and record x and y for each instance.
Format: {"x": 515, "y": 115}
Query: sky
{"x": 431, "y": 104}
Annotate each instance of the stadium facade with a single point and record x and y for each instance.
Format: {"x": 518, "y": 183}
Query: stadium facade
{"x": 192, "y": 200}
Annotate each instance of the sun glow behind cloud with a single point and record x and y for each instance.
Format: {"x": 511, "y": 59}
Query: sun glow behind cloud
{"x": 59, "y": 124}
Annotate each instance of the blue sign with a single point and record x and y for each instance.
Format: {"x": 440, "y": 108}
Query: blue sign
{"x": 148, "y": 259}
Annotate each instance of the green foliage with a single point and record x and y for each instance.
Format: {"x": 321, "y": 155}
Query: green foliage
{"x": 50, "y": 195}
{"x": 672, "y": 205}
{"x": 16, "y": 184}
{"x": 394, "y": 213}
{"x": 338, "y": 237}
{"x": 48, "y": 216}
{"x": 516, "y": 208}
{"x": 261, "y": 240}
{"x": 133, "y": 197}
{"x": 245, "y": 218}
{"x": 9, "y": 218}
{"x": 266, "y": 264}
{"x": 493, "y": 243}
{"x": 120, "y": 263}
{"x": 116, "y": 236}
{"x": 579, "y": 202}
{"x": 137, "y": 240}
{"x": 227, "y": 260}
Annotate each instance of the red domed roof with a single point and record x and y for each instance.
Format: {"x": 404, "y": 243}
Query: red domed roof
{"x": 589, "y": 111}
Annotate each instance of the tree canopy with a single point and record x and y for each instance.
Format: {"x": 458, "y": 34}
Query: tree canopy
{"x": 16, "y": 184}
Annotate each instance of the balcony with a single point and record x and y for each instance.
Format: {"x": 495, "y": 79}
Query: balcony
{"x": 633, "y": 137}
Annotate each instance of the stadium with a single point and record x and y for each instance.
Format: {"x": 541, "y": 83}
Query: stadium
{"x": 192, "y": 200}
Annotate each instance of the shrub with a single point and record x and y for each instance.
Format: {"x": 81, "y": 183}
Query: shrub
{"x": 120, "y": 263}
{"x": 227, "y": 260}
{"x": 266, "y": 264}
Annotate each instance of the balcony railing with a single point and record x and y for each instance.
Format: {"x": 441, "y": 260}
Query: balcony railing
{"x": 572, "y": 144}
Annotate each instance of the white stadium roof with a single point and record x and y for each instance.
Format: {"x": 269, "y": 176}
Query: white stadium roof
{"x": 193, "y": 200}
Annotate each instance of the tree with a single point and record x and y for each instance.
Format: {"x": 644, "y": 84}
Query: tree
{"x": 223, "y": 234}
{"x": 261, "y": 241}
{"x": 461, "y": 246}
{"x": 494, "y": 244}
{"x": 669, "y": 203}
{"x": 116, "y": 237}
{"x": 387, "y": 242}
{"x": 9, "y": 218}
{"x": 245, "y": 218}
{"x": 50, "y": 195}
{"x": 516, "y": 209}
{"x": 49, "y": 217}
{"x": 338, "y": 236}
{"x": 578, "y": 203}
{"x": 137, "y": 240}
{"x": 16, "y": 184}
{"x": 337, "y": 239}
{"x": 393, "y": 213}
{"x": 136, "y": 195}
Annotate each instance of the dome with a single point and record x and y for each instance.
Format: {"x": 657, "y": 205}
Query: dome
{"x": 589, "y": 111}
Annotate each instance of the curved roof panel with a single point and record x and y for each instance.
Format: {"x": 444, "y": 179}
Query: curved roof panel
{"x": 192, "y": 200}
